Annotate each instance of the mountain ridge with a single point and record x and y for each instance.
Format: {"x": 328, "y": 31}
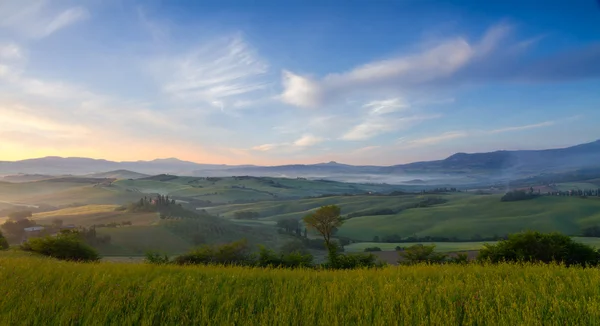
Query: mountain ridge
{"x": 502, "y": 162}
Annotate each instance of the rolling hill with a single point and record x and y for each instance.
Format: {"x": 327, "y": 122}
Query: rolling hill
{"x": 473, "y": 168}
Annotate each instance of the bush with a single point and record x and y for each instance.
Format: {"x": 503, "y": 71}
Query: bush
{"x": 268, "y": 258}
{"x": 460, "y": 258}
{"x": 371, "y": 249}
{"x": 234, "y": 253}
{"x": 3, "y": 242}
{"x": 352, "y": 261}
{"x": 294, "y": 246}
{"x": 517, "y": 195}
{"x": 65, "y": 246}
{"x": 420, "y": 254}
{"x": 153, "y": 257}
{"x": 533, "y": 246}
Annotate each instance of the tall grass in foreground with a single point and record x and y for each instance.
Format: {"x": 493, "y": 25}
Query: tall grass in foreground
{"x": 41, "y": 291}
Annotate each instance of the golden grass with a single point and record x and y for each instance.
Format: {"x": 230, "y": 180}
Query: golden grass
{"x": 40, "y": 291}
{"x": 81, "y": 210}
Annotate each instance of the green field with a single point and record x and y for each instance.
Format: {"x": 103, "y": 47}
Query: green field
{"x": 463, "y": 216}
{"x": 42, "y": 291}
{"x": 446, "y": 246}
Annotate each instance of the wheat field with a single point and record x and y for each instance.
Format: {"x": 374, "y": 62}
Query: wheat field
{"x": 42, "y": 291}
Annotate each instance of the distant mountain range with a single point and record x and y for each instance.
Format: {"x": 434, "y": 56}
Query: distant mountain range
{"x": 461, "y": 166}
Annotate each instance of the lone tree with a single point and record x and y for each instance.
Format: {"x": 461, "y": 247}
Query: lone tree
{"x": 326, "y": 220}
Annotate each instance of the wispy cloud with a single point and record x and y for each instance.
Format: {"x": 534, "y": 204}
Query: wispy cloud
{"x": 526, "y": 127}
{"x": 451, "y": 62}
{"x": 264, "y": 147}
{"x": 439, "y": 61}
{"x": 10, "y": 51}
{"x": 452, "y": 135}
{"x": 431, "y": 140}
{"x": 36, "y": 18}
{"x": 308, "y": 140}
{"x": 222, "y": 72}
{"x": 384, "y": 116}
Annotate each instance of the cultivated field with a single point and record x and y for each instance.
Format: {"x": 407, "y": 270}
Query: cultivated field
{"x": 42, "y": 291}
{"x": 447, "y": 246}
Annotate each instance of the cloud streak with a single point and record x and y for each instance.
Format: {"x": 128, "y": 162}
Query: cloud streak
{"x": 452, "y": 62}
{"x": 35, "y": 19}
{"x": 222, "y": 73}
{"x": 437, "y": 62}
{"x": 452, "y": 135}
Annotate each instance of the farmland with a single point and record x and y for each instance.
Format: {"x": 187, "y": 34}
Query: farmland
{"x": 108, "y": 293}
{"x": 459, "y": 215}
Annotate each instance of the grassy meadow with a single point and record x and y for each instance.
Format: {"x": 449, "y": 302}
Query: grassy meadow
{"x": 42, "y": 291}
{"x": 447, "y": 246}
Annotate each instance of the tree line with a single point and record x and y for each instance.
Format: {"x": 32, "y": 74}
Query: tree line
{"x": 516, "y": 195}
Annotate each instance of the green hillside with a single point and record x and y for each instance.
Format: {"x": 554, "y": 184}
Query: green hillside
{"x": 467, "y": 216}
{"x": 463, "y": 216}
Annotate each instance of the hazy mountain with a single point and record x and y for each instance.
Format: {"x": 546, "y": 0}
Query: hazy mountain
{"x": 475, "y": 166}
{"x": 117, "y": 174}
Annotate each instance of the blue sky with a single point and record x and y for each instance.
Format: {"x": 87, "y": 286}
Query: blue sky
{"x": 275, "y": 82}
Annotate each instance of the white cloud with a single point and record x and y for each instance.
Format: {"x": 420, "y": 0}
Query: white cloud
{"x": 382, "y": 116}
{"x": 299, "y": 144}
{"x": 451, "y": 135}
{"x": 526, "y": 127}
{"x": 374, "y": 126}
{"x": 10, "y": 51}
{"x": 386, "y": 106}
{"x": 35, "y": 18}
{"x": 437, "y": 139}
{"x": 264, "y": 147}
{"x": 64, "y": 19}
{"x": 435, "y": 63}
{"x": 308, "y": 140}
{"x": 222, "y": 73}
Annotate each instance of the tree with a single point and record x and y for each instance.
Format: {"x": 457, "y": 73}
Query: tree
{"x": 293, "y": 246}
{"x": 65, "y": 246}
{"x": 534, "y": 246}
{"x": 15, "y": 229}
{"x": 420, "y": 254}
{"x": 3, "y": 242}
{"x": 326, "y": 220}
{"x": 20, "y": 215}
{"x": 57, "y": 222}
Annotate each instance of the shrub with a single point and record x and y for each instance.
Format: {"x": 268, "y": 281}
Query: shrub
{"x": 420, "y": 254}
{"x": 357, "y": 260}
{"x": 3, "y": 242}
{"x": 533, "y": 246}
{"x": 153, "y": 257}
{"x": 294, "y": 246}
{"x": 517, "y": 195}
{"x": 65, "y": 246}
{"x": 268, "y": 258}
{"x": 371, "y": 249}
{"x": 234, "y": 253}
{"x": 460, "y": 258}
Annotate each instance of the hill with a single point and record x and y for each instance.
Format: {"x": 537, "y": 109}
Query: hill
{"x": 464, "y": 216}
{"x": 473, "y": 168}
{"x": 117, "y": 174}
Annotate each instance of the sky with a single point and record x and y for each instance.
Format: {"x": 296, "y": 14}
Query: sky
{"x": 280, "y": 82}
